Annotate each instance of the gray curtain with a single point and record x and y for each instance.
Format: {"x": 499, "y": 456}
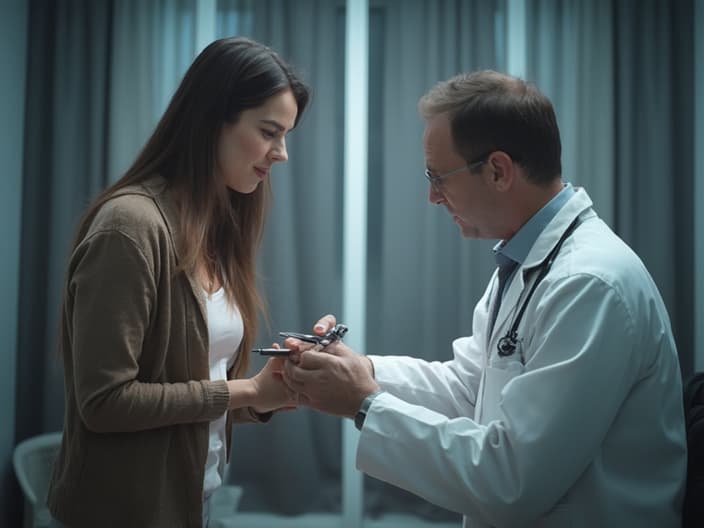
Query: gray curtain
{"x": 423, "y": 278}
{"x": 64, "y": 166}
{"x": 654, "y": 175}
{"x": 621, "y": 76}
{"x": 13, "y": 58}
{"x": 78, "y": 58}
{"x": 570, "y": 56}
{"x": 87, "y": 115}
{"x": 152, "y": 47}
{"x": 300, "y": 263}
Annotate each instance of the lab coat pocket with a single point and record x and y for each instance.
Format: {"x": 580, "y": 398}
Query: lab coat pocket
{"x": 496, "y": 377}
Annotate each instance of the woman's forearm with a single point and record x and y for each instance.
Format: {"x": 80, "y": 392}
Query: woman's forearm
{"x": 242, "y": 393}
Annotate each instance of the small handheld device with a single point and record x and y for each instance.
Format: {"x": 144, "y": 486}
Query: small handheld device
{"x": 272, "y": 351}
{"x": 337, "y": 333}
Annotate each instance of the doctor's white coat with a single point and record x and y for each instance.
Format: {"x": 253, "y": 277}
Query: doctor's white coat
{"x": 589, "y": 432}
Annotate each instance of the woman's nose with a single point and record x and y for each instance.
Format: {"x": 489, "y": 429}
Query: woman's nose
{"x": 279, "y": 153}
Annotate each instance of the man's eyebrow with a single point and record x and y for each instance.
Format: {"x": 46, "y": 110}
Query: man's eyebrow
{"x": 274, "y": 124}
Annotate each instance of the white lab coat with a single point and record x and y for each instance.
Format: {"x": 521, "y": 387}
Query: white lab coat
{"x": 588, "y": 433}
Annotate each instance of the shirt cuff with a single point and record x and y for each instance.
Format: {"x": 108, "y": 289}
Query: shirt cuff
{"x": 260, "y": 417}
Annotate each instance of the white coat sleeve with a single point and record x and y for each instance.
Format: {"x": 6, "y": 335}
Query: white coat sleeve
{"x": 450, "y": 387}
{"x": 557, "y": 414}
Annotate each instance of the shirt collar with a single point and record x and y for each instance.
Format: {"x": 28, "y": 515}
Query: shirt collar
{"x": 517, "y": 247}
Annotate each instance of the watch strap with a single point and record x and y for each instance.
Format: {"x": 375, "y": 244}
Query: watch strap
{"x": 364, "y": 409}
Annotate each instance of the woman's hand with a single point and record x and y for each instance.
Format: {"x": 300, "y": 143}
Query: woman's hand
{"x": 269, "y": 390}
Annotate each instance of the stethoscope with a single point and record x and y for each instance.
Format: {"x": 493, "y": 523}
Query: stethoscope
{"x": 508, "y": 344}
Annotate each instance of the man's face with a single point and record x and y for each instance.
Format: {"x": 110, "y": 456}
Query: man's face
{"x": 469, "y": 197}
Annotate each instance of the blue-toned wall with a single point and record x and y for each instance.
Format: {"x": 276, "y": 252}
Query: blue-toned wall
{"x": 13, "y": 44}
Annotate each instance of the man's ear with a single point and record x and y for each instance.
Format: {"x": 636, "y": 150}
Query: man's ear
{"x": 502, "y": 170}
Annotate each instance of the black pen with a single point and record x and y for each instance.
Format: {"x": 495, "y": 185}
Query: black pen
{"x": 272, "y": 351}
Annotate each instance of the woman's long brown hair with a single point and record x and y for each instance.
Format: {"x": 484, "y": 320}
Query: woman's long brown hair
{"x": 220, "y": 228}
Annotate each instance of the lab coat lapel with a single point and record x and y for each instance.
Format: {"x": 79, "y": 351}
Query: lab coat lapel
{"x": 516, "y": 290}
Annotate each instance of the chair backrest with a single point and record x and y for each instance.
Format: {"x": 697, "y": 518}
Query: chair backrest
{"x": 693, "y": 509}
{"x": 33, "y": 461}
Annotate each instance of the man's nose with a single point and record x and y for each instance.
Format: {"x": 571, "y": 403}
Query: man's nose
{"x": 434, "y": 196}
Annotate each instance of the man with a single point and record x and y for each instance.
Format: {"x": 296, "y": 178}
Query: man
{"x": 564, "y": 406}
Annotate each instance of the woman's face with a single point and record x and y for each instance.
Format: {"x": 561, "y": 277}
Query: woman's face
{"x": 248, "y": 148}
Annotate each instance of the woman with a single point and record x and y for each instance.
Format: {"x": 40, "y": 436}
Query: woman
{"x": 161, "y": 306}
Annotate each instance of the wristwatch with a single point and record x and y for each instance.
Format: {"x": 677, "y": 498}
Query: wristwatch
{"x": 363, "y": 409}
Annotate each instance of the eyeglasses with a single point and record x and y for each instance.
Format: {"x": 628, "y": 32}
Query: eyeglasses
{"x": 436, "y": 181}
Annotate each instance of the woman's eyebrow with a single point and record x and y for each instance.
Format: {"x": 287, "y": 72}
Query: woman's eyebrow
{"x": 273, "y": 123}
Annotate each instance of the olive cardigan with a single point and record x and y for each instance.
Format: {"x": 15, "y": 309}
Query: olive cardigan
{"x": 138, "y": 396}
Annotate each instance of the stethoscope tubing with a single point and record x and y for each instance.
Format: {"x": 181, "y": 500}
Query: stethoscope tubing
{"x": 508, "y": 344}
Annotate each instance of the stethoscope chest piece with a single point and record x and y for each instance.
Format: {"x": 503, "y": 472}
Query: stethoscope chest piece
{"x": 507, "y": 344}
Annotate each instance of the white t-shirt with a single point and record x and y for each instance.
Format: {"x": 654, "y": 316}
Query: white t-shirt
{"x": 225, "y": 331}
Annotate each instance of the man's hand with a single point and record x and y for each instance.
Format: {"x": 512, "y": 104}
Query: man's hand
{"x": 335, "y": 380}
{"x": 325, "y": 324}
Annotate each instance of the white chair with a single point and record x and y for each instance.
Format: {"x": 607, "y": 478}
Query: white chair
{"x": 33, "y": 461}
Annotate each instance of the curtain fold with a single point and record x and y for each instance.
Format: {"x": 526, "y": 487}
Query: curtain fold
{"x": 423, "y": 263}
{"x": 653, "y": 180}
{"x": 153, "y": 45}
{"x": 424, "y": 279}
{"x": 300, "y": 263}
{"x": 87, "y": 114}
{"x": 570, "y": 52}
{"x": 63, "y": 168}
{"x": 621, "y": 77}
